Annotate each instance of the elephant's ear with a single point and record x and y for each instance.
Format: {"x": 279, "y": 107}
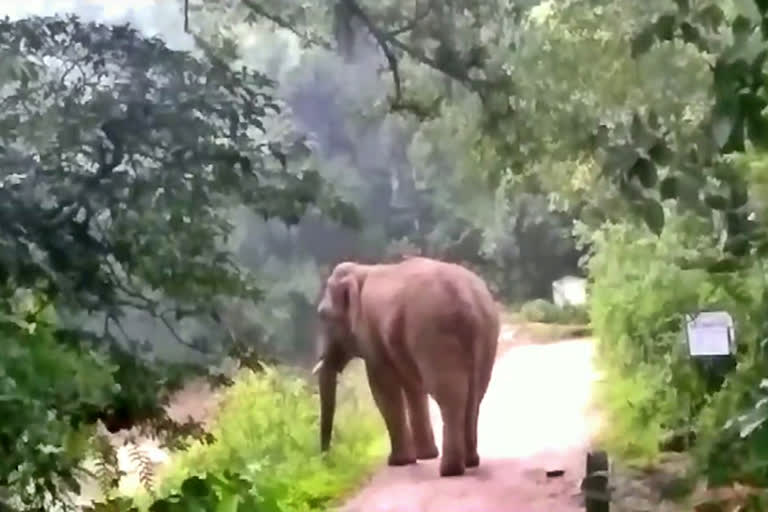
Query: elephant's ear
{"x": 341, "y": 300}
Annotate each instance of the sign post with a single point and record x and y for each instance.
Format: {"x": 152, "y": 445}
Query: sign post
{"x": 712, "y": 345}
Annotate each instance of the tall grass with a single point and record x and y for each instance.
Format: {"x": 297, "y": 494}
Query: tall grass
{"x": 267, "y": 431}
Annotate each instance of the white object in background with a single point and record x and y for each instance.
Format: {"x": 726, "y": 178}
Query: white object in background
{"x": 710, "y": 333}
{"x": 569, "y": 290}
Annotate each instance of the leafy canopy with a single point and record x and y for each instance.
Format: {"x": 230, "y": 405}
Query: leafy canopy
{"x": 121, "y": 160}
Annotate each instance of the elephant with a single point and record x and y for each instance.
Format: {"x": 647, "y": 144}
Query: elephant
{"x": 423, "y": 327}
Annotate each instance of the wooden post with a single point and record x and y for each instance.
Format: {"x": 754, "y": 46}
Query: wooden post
{"x": 594, "y": 486}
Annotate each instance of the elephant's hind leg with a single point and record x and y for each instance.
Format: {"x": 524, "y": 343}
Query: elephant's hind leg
{"x": 389, "y": 397}
{"x": 449, "y": 385}
{"x": 453, "y": 410}
{"x": 473, "y": 411}
{"x": 421, "y": 426}
{"x": 473, "y": 407}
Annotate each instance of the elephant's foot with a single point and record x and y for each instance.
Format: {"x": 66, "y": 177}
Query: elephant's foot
{"x": 449, "y": 467}
{"x": 427, "y": 452}
{"x": 472, "y": 461}
{"x": 397, "y": 459}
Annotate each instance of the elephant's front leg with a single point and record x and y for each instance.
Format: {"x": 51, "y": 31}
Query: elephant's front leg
{"x": 388, "y": 394}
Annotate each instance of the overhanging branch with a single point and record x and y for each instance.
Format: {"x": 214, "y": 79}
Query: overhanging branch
{"x": 382, "y": 41}
{"x": 417, "y": 18}
{"x": 284, "y": 24}
{"x": 387, "y": 41}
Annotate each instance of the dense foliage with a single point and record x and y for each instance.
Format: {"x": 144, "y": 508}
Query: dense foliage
{"x": 284, "y": 467}
{"x": 121, "y": 160}
{"x": 264, "y": 454}
{"x": 721, "y": 258}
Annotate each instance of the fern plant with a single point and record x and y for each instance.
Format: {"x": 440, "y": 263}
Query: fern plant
{"x": 144, "y": 465}
{"x": 108, "y": 472}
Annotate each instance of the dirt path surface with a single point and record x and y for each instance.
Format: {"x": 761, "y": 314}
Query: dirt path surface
{"x": 534, "y": 418}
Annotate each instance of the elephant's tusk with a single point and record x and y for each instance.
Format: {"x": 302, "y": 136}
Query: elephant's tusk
{"x": 318, "y": 366}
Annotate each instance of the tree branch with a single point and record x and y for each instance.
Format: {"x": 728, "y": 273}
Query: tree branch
{"x": 385, "y": 40}
{"x": 417, "y": 18}
{"x": 284, "y": 24}
{"x": 381, "y": 39}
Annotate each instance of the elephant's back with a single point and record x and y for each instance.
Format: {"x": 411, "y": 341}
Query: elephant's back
{"x": 437, "y": 294}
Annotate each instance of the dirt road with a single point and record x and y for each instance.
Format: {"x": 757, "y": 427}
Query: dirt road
{"x": 534, "y": 418}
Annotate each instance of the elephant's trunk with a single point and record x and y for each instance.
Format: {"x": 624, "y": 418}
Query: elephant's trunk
{"x": 327, "y": 377}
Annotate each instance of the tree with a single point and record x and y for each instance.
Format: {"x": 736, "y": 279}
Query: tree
{"x": 655, "y": 165}
{"x": 122, "y": 160}
{"x": 443, "y": 36}
{"x": 121, "y": 163}
{"x": 707, "y": 173}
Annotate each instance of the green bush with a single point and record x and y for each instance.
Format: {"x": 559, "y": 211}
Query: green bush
{"x": 540, "y": 310}
{"x": 640, "y": 293}
{"x": 226, "y": 492}
{"x": 267, "y": 432}
{"x": 47, "y": 391}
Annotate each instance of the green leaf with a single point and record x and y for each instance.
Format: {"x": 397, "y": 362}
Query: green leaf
{"x": 727, "y": 123}
{"x": 229, "y": 503}
{"x": 712, "y": 15}
{"x": 762, "y": 6}
{"x": 762, "y": 245}
{"x": 723, "y": 122}
{"x": 637, "y": 129}
{"x": 736, "y": 140}
{"x": 758, "y": 65}
{"x": 630, "y": 190}
{"x": 757, "y": 129}
{"x": 741, "y": 27}
{"x": 725, "y": 172}
{"x": 653, "y": 214}
{"x": 653, "y": 120}
{"x": 162, "y": 505}
{"x": 724, "y": 265}
{"x": 665, "y": 27}
{"x": 642, "y": 41}
{"x": 688, "y": 192}
{"x": 683, "y": 6}
{"x": 690, "y": 34}
{"x": 737, "y": 222}
{"x": 737, "y": 245}
{"x": 751, "y": 103}
{"x": 601, "y": 136}
{"x": 716, "y": 201}
{"x": 739, "y": 195}
{"x": 668, "y": 188}
{"x": 645, "y": 171}
{"x": 195, "y": 486}
{"x": 660, "y": 153}
{"x": 619, "y": 159}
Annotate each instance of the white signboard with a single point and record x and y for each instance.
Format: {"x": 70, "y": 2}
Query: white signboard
{"x": 710, "y": 333}
{"x": 569, "y": 290}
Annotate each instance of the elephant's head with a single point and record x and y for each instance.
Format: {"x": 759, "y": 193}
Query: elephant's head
{"x": 336, "y": 342}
